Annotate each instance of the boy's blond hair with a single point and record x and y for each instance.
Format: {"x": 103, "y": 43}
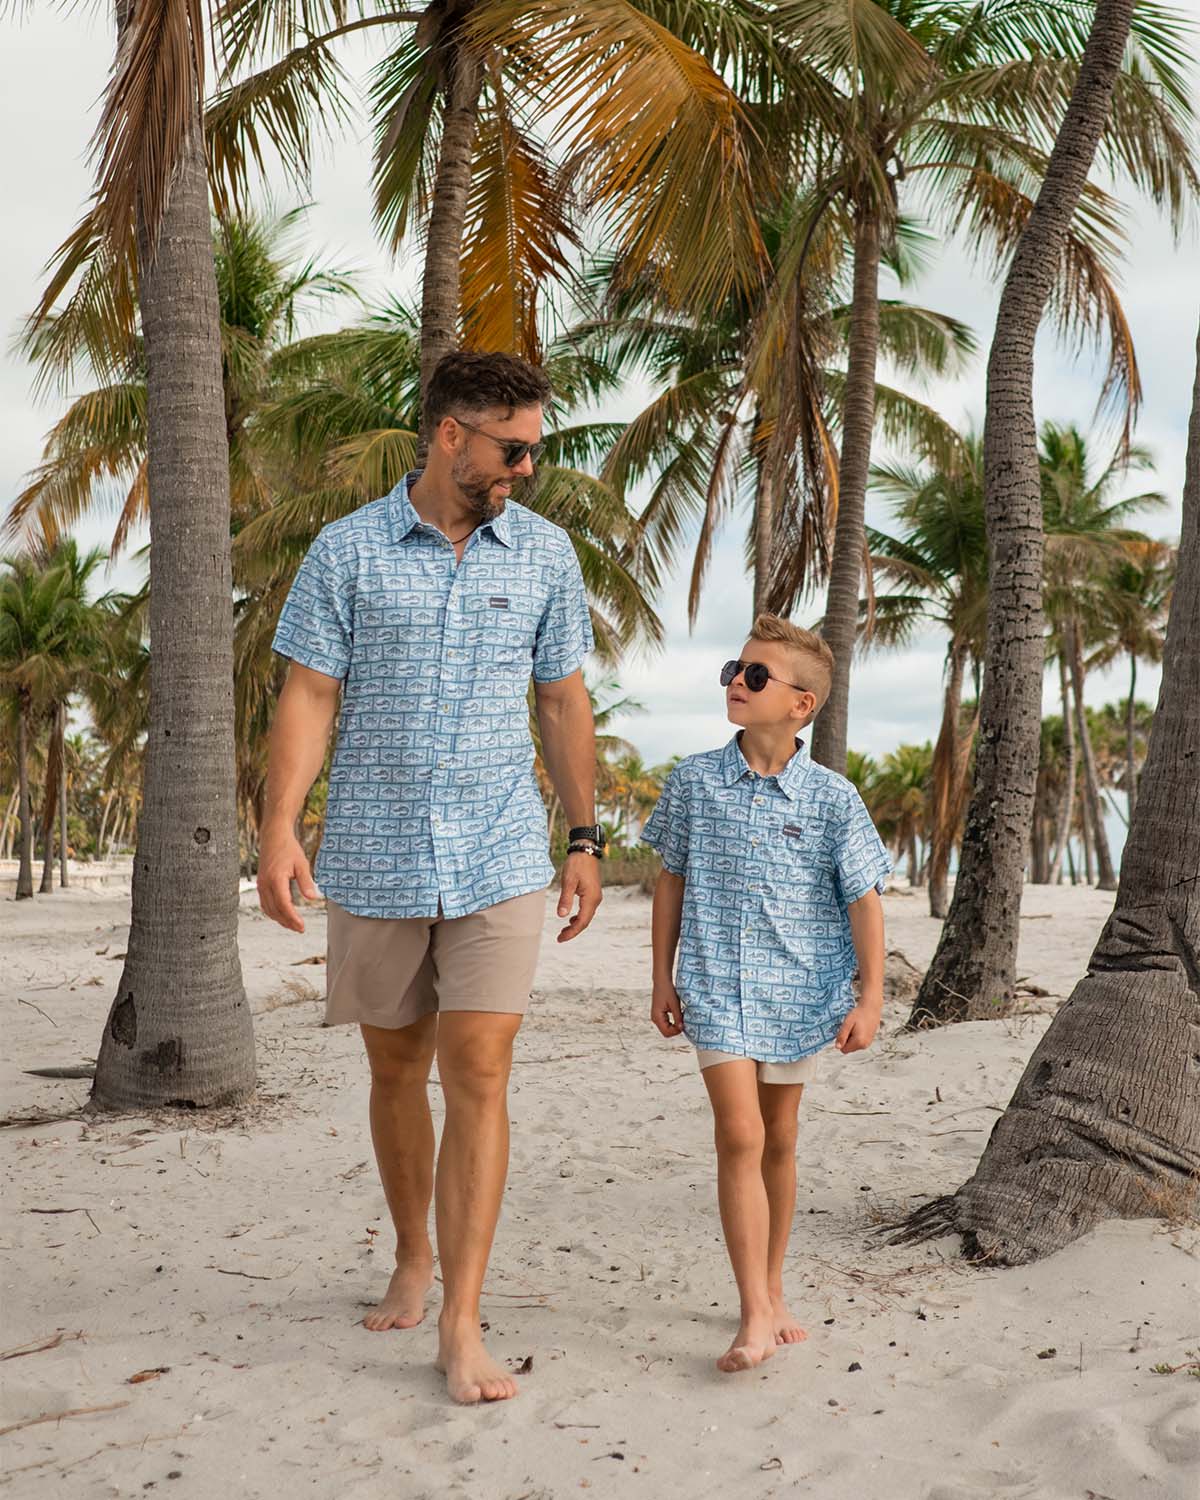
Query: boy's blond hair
{"x": 810, "y": 649}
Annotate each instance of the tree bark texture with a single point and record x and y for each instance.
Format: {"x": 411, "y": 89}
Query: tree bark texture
{"x": 764, "y": 525}
{"x": 179, "y": 1031}
{"x": 1106, "y": 877}
{"x": 840, "y": 626}
{"x": 973, "y": 972}
{"x": 1105, "y": 1122}
{"x": 25, "y": 841}
{"x": 441, "y": 294}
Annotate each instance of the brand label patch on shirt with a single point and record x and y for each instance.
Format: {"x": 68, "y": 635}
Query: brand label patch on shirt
{"x": 793, "y": 831}
{"x": 498, "y": 601}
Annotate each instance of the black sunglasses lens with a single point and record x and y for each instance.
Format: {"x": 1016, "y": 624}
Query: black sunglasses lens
{"x": 757, "y": 676}
{"x": 515, "y": 453}
{"x": 729, "y": 671}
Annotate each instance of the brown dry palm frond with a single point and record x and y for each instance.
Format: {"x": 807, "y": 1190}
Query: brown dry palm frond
{"x": 653, "y": 137}
{"x": 519, "y": 224}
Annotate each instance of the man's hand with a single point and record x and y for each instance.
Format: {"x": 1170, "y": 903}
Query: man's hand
{"x": 859, "y": 1027}
{"x": 281, "y": 861}
{"x": 581, "y": 878}
{"x": 666, "y": 1009}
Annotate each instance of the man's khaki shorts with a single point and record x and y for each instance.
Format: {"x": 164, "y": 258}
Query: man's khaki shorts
{"x": 391, "y": 971}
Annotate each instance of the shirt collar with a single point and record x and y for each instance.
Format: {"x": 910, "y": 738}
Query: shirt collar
{"x": 403, "y": 516}
{"x": 734, "y": 767}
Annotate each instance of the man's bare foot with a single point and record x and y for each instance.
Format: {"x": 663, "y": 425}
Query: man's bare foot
{"x": 472, "y": 1375}
{"x": 403, "y": 1304}
{"x": 787, "y": 1330}
{"x": 753, "y": 1342}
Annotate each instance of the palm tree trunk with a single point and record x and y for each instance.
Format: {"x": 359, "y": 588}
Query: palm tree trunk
{"x": 1105, "y": 1122}
{"x": 108, "y": 800}
{"x": 6, "y": 829}
{"x": 25, "y": 843}
{"x": 50, "y": 807}
{"x": 840, "y": 626}
{"x": 179, "y": 1031}
{"x": 764, "y": 521}
{"x": 974, "y": 969}
{"x": 1093, "y": 807}
{"x": 949, "y": 777}
{"x": 62, "y": 796}
{"x": 441, "y": 299}
{"x": 1085, "y": 828}
{"x": 1068, "y": 801}
{"x": 1131, "y": 774}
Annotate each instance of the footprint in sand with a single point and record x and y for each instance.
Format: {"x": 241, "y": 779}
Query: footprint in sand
{"x": 1177, "y": 1434}
{"x": 991, "y": 1486}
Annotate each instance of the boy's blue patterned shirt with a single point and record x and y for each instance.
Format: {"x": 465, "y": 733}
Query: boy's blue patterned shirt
{"x": 432, "y": 794}
{"x": 771, "y": 863}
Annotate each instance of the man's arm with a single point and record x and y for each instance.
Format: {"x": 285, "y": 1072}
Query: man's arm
{"x": 564, "y": 713}
{"x": 667, "y": 915}
{"x": 866, "y": 928}
{"x": 299, "y": 736}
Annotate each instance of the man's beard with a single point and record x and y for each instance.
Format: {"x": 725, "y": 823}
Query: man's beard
{"x": 476, "y": 490}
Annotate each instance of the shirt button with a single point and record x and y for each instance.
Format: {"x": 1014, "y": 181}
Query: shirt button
{"x": 758, "y": 801}
{"x": 754, "y": 840}
{"x": 445, "y": 708}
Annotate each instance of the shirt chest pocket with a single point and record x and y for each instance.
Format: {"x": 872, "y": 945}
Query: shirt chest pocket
{"x": 500, "y": 624}
{"x": 796, "y": 847}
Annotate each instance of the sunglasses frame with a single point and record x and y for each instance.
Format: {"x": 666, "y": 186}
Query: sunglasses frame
{"x": 514, "y": 452}
{"x": 742, "y": 668}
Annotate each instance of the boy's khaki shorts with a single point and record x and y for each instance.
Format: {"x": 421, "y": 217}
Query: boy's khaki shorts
{"x": 392, "y": 971}
{"x": 803, "y": 1071}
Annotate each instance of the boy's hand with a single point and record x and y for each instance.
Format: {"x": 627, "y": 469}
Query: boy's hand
{"x": 859, "y": 1027}
{"x": 666, "y": 1011}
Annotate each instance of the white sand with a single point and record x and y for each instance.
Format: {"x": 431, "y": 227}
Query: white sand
{"x": 608, "y": 1268}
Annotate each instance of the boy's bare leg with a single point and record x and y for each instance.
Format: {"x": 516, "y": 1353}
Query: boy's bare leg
{"x": 745, "y": 1214}
{"x": 474, "y": 1059}
{"x": 402, "y": 1133}
{"x": 780, "y": 1104}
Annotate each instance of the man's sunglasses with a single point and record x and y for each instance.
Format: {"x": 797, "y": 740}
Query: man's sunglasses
{"x": 514, "y": 453}
{"x": 756, "y": 676}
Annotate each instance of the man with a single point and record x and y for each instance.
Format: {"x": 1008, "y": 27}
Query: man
{"x": 426, "y": 612}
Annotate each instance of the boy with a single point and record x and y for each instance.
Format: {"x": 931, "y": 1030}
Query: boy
{"x": 772, "y": 872}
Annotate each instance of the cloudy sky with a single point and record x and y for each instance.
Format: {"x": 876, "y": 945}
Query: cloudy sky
{"x": 52, "y": 71}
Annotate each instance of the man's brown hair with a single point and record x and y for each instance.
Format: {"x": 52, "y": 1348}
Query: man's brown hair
{"x": 810, "y": 648}
{"x": 470, "y": 383}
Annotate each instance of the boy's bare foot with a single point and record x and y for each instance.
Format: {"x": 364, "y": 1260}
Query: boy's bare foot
{"x": 753, "y": 1342}
{"x": 787, "y": 1330}
{"x": 403, "y": 1304}
{"x": 472, "y": 1375}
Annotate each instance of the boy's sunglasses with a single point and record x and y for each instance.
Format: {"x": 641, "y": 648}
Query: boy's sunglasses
{"x": 756, "y": 676}
{"x": 514, "y": 453}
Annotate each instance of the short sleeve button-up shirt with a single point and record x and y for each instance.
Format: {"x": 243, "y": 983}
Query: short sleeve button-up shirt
{"x": 766, "y": 958}
{"x": 432, "y": 795}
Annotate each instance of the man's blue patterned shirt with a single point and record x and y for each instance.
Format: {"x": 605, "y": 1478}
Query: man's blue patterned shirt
{"x": 432, "y": 794}
{"x": 771, "y": 863}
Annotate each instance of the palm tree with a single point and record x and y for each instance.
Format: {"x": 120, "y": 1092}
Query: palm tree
{"x": 900, "y": 802}
{"x": 748, "y": 399}
{"x": 1134, "y": 601}
{"x": 959, "y": 104}
{"x": 654, "y": 141}
{"x": 179, "y": 1029}
{"x": 1085, "y": 538}
{"x": 974, "y": 968}
{"x": 939, "y": 566}
{"x": 1105, "y": 1122}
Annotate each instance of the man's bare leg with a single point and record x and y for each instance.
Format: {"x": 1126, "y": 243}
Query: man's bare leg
{"x": 402, "y": 1132}
{"x": 779, "y": 1104}
{"x": 474, "y": 1059}
{"x": 745, "y": 1216}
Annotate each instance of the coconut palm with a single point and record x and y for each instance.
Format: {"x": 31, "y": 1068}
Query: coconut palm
{"x": 1085, "y": 539}
{"x": 1105, "y": 1121}
{"x": 939, "y": 568}
{"x": 974, "y": 968}
{"x": 499, "y": 126}
{"x": 900, "y": 792}
{"x": 748, "y": 400}
{"x": 1133, "y": 602}
{"x": 179, "y": 1029}
{"x": 955, "y": 108}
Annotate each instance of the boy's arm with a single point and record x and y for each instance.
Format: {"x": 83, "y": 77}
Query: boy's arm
{"x": 665, "y": 1010}
{"x": 866, "y": 928}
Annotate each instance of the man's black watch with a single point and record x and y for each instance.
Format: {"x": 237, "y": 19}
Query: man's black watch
{"x": 588, "y": 839}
